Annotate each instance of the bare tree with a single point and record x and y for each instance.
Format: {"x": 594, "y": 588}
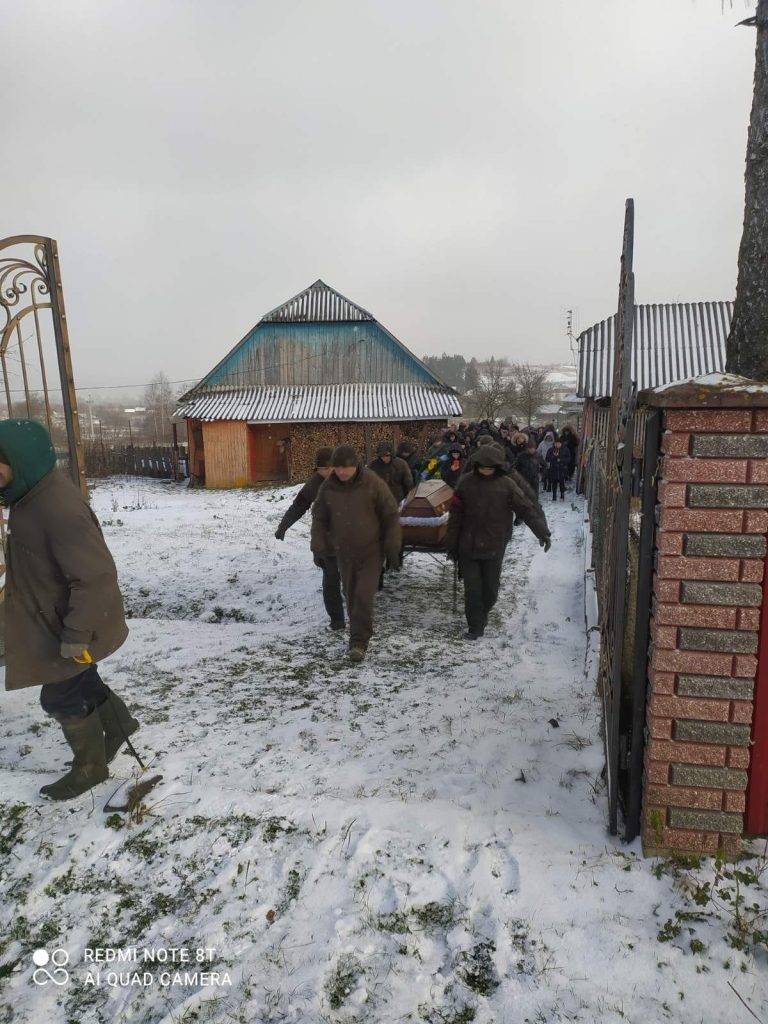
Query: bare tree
{"x": 747, "y": 346}
{"x": 532, "y": 389}
{"x": 159, "y": 401}
{"x": 494, "y": 392}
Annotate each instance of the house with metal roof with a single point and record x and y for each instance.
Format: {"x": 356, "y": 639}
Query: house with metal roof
{"x": 672, "y": 342}
{"x": 316, "y": 370}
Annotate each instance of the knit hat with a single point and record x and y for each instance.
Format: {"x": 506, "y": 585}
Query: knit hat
{"x": 385, "y": 448}
{"x": 323, "y": 458}
{"x": 489, "y": 456}
{"x": 345, "y": 455}
{"x": 28, "y": 451}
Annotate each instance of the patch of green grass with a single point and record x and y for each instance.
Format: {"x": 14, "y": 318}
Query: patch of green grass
{"x": 142, "y": 845}
{"x": 273, "y": 828}
{"x": 11, "y": 825}
{"x": 396, "y": 923}
{"x": 477, "y": 970}
{"x": 342, "y": 980}
{"x": 435, "y": 916}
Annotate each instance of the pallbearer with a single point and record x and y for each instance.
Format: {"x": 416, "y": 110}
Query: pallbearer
{"x": 356, "y": 520}
{"x": 299, "y": 507}
{"x": 480, "y": 525}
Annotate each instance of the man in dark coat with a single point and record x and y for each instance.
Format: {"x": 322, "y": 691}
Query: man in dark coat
{"x": 482, "y": 512}
{"x": 393, "y": 471}
{"x": 528, "y": 464}
{"x": 300, "y": 505}
{"x": 356, "y": 520}
{"x": 406, "y": 451}
{"x": 558, "y": 468}
{"x": 63, "y": 607}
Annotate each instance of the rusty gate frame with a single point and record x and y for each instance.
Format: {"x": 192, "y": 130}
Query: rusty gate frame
{"x": 33, "y": 279}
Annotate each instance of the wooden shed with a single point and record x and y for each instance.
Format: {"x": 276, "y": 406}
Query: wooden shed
{"x": 317, "y": 370}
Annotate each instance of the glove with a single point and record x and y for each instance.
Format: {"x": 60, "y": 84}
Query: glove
{"x": 279, "y": 533}
{"x": 546, "y": 544}
{"x": 76, "y": 652}
{"x": 318, "y": 561}
{"x": 393, "y": 562}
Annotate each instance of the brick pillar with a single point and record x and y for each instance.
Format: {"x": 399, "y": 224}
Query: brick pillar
{"x": 707, "y": 595}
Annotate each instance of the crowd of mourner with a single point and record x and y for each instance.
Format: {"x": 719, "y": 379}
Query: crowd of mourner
{"x": 497, "y": 474}
{"x": 63, "y": 610}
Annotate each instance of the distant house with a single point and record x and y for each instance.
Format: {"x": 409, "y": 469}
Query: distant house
{"x": 671, "y": 343}
{"x": 317, "y": 370}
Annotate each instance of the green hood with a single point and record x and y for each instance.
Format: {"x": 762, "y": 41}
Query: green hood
{"x": 26, "y": 447}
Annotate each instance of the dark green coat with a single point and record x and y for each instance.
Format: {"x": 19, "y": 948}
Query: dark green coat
{"x": 61, "y": 581}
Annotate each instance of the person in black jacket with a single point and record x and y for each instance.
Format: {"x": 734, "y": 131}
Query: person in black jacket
{"x": 480, "y": 525}
{"x": 558, "y": 466}
{"x": 528, "y": 464}
{"x": 406, "y": 451}
{"x": 299, "y": 507}
{"x": 392, "y": 470}
{"x": 452, "y": 468}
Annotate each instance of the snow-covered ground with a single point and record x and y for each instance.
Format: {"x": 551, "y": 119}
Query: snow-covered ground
{"x": 421, "y": 838}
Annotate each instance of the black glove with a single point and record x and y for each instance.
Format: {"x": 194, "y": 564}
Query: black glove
{"x": 280, "y": 533}
{"x": 546, "y": 544}
{"x": 318, "y": 561}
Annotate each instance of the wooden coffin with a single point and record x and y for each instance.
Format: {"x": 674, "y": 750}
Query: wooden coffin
{"x": 424, "y": 514}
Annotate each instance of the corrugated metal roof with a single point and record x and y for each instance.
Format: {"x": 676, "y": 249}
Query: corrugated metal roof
{"x": 322, "y": 403}
{"x": 671, "y": 342}
{"x": 317, "y": 304}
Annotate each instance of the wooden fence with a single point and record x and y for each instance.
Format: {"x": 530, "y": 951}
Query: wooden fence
{"x": 164, "y": 462}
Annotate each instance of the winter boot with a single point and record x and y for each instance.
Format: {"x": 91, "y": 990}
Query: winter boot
{"x": 357, "y": 651}
{"x": 89, "y": 767}
{"x": 117, "y": 722}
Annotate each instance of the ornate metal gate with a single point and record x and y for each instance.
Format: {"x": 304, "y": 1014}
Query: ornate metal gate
{"x": 33, "y": 339}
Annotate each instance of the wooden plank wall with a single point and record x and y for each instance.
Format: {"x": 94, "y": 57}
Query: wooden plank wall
{"x": 325, "y": 353}
{"x": 226, "y": 454}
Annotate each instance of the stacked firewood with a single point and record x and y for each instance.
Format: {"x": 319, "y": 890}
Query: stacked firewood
{"x": 306, "y": 438}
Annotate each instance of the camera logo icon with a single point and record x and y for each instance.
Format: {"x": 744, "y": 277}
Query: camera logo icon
{"x": 57, "y": 960}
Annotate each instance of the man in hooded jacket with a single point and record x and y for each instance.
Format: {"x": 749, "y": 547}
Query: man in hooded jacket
{"x": 63, "y": 606}
{"x": 394, "y": 471}
{"x": 300, "y": 505}
{"x": 356, "y": 520}
{"x": 480, "y": 524}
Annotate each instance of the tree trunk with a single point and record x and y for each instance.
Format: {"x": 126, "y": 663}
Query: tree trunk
{"x": 747, "y": 346}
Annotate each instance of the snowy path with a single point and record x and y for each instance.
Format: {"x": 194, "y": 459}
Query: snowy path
{"x": 409, "y": 840}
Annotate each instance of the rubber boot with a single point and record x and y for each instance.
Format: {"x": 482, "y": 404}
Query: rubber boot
{"x": 117, "y": 722}
{"x": 357, "y": 651}
{"x": 89, "y": 767}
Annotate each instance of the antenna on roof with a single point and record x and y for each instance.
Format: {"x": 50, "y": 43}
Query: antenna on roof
{"x": 570, "y": 321}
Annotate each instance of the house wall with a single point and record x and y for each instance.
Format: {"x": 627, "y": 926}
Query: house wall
{"x": 318, "y": 353}
{"x": 227, "y": 462}
{"x": 707, "y": 593}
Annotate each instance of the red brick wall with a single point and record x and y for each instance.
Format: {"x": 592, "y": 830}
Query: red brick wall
{"x": 707, "y": 593}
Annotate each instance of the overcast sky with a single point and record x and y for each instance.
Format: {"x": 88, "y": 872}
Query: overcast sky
{"x": 457, "y": 167}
